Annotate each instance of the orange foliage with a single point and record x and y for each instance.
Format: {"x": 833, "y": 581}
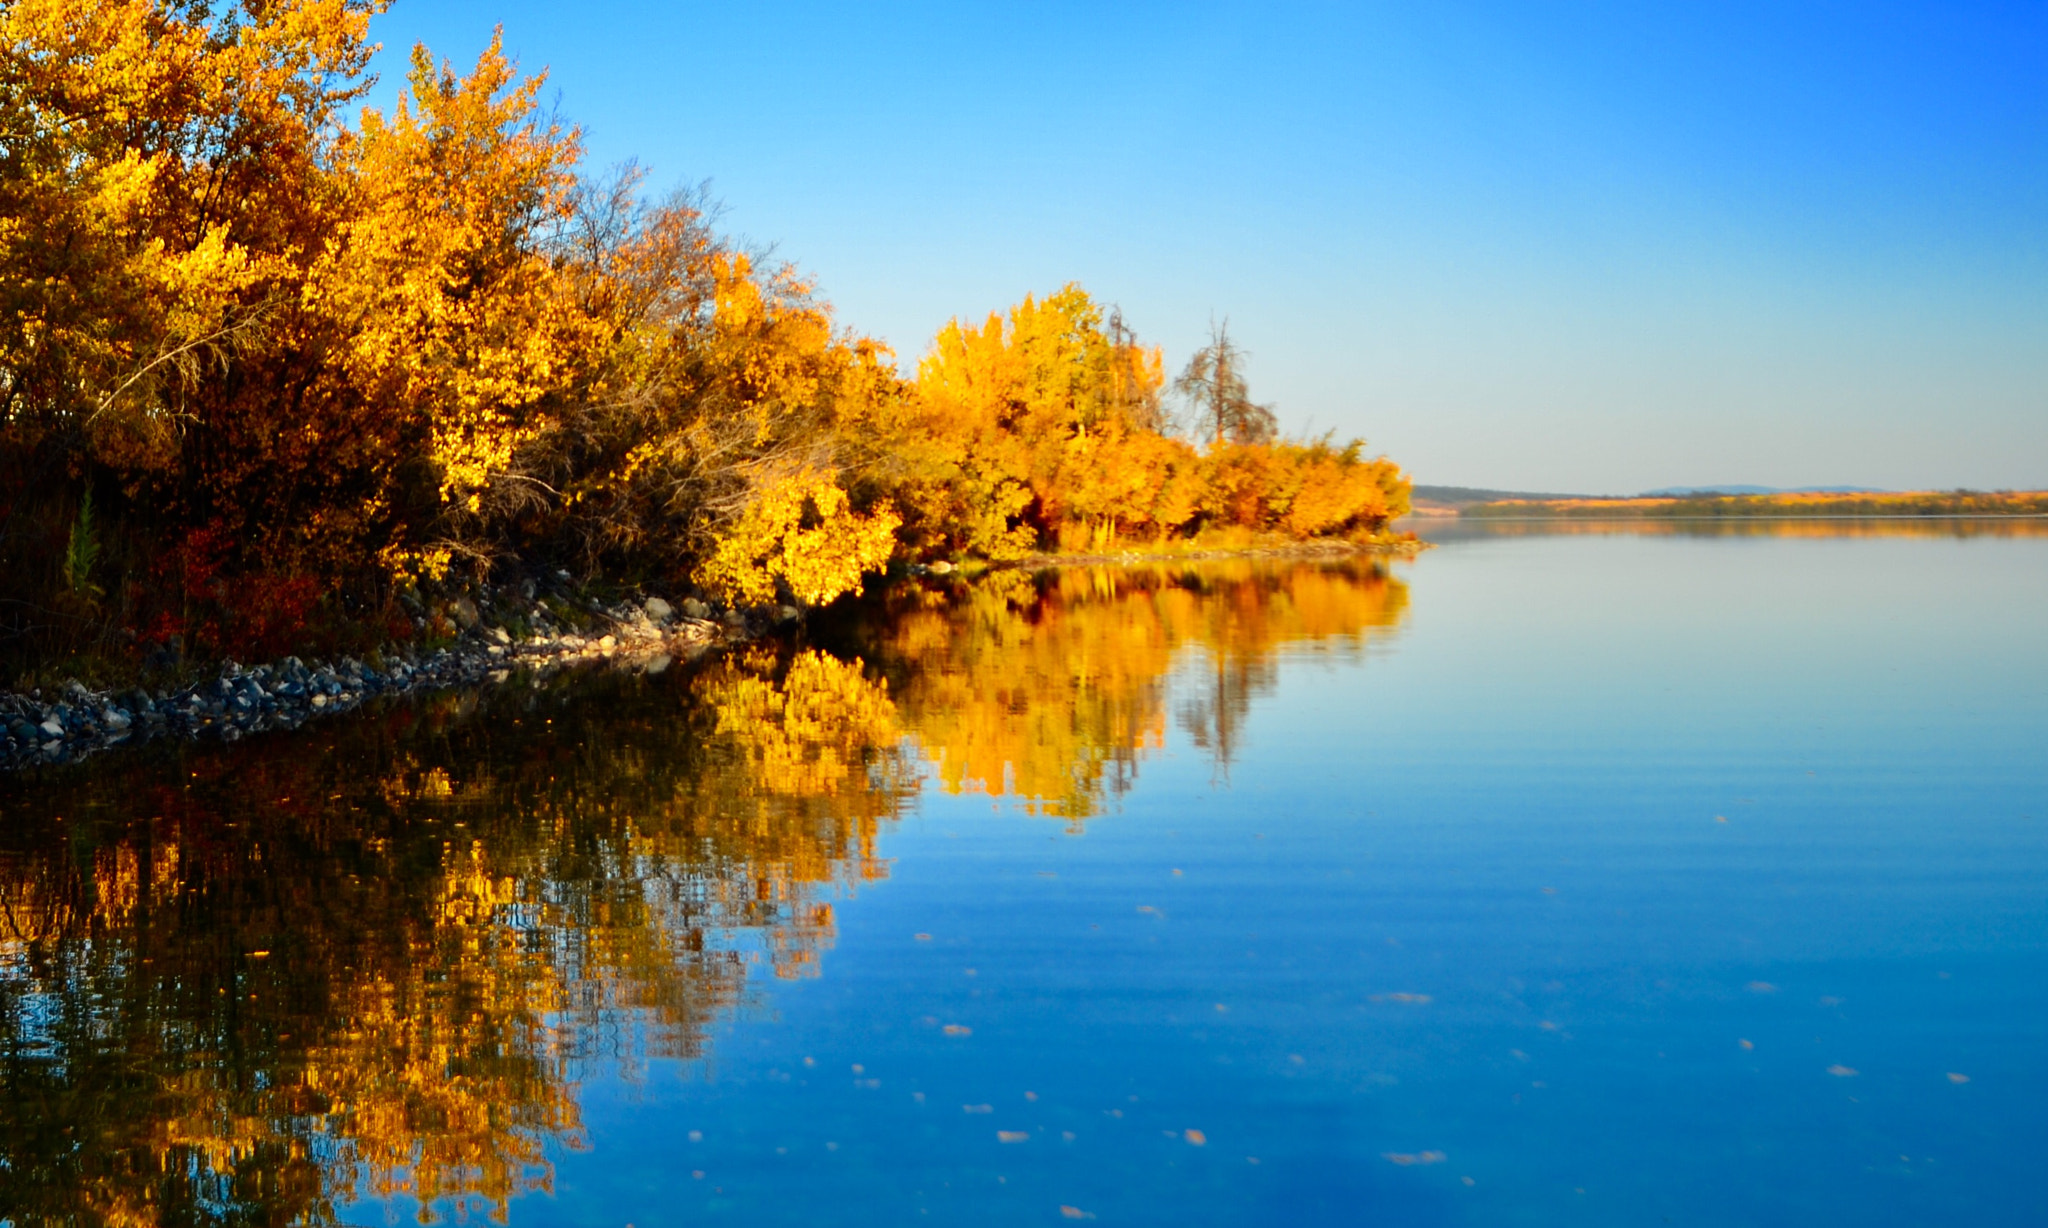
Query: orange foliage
{"x": 340, "y": 358}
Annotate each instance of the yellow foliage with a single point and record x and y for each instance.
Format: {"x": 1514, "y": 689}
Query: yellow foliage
{"x": 293, "y": 355}
{"x": 799, "y": 532}
{"x": 457, "y": 316}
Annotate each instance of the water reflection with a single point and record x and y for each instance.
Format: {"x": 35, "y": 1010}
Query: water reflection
{"x": 1049, "y": 688}
{"x": 254, "y": 983}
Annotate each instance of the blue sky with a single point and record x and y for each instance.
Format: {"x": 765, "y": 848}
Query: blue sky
{"x": 1582, "y": 247}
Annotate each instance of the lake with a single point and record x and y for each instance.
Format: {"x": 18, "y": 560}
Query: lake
{"x": 1568, "y": 874}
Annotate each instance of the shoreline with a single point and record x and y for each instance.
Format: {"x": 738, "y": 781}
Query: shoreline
{"x": 238, "y": 701}
{"x": 234, "y": 701}
{"x": 1624, "y": 517}
{"x": 1297, "y": 550}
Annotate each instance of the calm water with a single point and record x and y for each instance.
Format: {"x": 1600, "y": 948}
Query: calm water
{"x": 1600, "y": 877}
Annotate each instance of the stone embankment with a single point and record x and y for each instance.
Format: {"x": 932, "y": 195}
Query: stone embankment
{"x": 40, "y": 729}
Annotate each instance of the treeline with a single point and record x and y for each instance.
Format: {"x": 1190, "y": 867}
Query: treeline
{"x": 1905, "y": 503}
{"x": 268, "y": 363}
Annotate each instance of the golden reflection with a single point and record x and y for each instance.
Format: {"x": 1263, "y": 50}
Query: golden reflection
{"x": 374, "y": 961}
{"x": 378, "y": 959}
{"x": 1048, "y": 689}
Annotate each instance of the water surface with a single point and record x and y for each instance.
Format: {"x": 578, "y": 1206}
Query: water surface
{"x": 1619, "y": 877}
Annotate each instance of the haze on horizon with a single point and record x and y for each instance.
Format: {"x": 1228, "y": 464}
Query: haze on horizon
{"x": 1521, "y": 246}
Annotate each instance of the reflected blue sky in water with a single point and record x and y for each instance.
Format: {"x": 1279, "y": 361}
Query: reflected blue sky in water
{"x": 1514, "y": 809}
{"x": 1609, "y": 876}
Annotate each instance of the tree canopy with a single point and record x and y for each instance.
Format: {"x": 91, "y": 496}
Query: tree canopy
{"x": 269, "y": 357}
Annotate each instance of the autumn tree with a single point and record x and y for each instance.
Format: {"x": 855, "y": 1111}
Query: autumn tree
{"x": 266, "y": 364}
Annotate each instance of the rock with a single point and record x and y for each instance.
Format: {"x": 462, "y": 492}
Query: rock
{"x": 463, "y": 611}
{"x": 53, "y": 727}
{"x": 22, "y": 730}
{"x": 608, "y": 643}
{"x": 693, "y": 608}
{"x": 499, "y": 635}
{"x": 940, "y": 568}
{"x": 788, "y": 614}
{"x": 658, "y": 610}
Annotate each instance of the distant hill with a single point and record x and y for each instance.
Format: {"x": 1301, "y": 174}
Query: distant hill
{"x": 1687, "y": 492}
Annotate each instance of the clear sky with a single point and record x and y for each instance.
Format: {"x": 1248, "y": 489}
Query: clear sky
{"x": 1584, "y": 247}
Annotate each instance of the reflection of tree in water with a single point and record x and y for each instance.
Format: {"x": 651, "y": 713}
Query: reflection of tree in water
{"x": 248, "y": 984}
{"x": 1215, "y": 713}
{"x": 1049, "y": 688}
{"x": 1248, "y": 617}
{"x": 375, "y": 960}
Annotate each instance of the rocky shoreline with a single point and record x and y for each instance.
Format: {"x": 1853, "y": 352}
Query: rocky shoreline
{"x": 37, "y": 730}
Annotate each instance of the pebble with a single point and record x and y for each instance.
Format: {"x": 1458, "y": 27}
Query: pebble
{"x": 286, "y": 693}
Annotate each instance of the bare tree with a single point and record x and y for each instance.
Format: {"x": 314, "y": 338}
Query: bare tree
{"x": 1219, "y": 399}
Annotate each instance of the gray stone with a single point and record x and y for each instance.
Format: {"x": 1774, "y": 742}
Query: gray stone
{"x": 53, "y": 727}
{"x": 941, "y": 568}
{"x": 693, "y": 608}
{"x": 463, "y": 611}
{"x": 788, "y": 614}
{"x": 658, "y": 610}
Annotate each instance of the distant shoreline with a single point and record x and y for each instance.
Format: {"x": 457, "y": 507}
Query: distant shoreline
{"x": 1709, "y": 518}
{"x": 1904, "y": 505}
